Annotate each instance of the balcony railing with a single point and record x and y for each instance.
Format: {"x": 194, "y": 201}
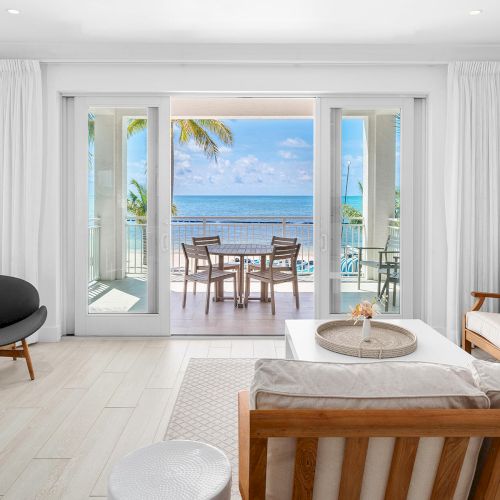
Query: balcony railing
{"x": 231, "y": 229}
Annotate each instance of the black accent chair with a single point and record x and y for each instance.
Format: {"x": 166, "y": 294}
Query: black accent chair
{"x": 20, "y": 317}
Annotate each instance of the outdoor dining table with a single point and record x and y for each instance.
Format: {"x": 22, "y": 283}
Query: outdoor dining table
{"x": 241, "y": 250}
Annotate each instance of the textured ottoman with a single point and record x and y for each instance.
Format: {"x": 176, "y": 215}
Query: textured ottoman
{"x": 172, "y": 470}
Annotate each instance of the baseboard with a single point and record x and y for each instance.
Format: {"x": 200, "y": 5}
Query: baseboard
{"x": 49, "y": 334}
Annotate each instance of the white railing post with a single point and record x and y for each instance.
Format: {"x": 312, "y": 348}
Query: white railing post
{"x": 283, "y": 224}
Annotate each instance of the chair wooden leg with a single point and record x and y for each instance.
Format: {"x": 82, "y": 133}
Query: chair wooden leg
{"x": 379, "y": 284}
{"x": 247, "y": 289}
{"x": 28, "y": 359}
{"x": 359, "y": 276}
{"x": 296, "y": 292}
{"x": 185, "y": 293}
{"x": 235, "y": 292}
{"x": 13, "y": 347}
{"x": 273, "y": 304}
{"x": 466, "y": 344}
{"x": 394, "y": 295}
{"x": 194, "y": 287}
{"x": 208, "y": 298}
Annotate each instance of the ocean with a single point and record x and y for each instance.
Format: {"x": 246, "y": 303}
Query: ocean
{"x": 251, "y": 206}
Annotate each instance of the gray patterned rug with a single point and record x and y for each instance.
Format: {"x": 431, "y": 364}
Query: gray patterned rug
{"x": 206, "y": 408}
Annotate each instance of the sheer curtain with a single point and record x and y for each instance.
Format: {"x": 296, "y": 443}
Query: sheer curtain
{"x": 472, "y": 186}
{"x": 20, "y": 167}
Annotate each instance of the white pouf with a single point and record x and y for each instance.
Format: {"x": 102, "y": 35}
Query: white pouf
{"x": 175, "y": 470}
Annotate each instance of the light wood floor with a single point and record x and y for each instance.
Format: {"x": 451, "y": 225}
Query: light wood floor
{"x": 93, "y": 401}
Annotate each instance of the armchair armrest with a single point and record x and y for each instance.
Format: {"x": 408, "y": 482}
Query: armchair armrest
{"x": 490, "y": 295}
{"x": 481, "y": 297}
{"x": 244, "y": 443}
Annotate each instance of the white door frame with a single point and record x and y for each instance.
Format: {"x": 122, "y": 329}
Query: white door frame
{"x": 126, "y": 324}
{"x": 327, "y": 189}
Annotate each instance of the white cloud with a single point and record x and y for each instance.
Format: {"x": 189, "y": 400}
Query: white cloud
{"x": 294, "y": 142}
{"x": 181, "y": 155}
{"x": 287, "y": 155}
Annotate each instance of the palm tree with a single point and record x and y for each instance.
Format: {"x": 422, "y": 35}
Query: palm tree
{"x": 204, "y": 132}
{"x": 137, "y": 204}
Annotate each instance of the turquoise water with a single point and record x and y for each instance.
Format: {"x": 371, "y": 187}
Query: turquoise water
{"x": 251, "y": 206}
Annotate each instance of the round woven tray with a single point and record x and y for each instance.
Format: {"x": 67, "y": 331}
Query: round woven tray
{"x": 386, "y": 340}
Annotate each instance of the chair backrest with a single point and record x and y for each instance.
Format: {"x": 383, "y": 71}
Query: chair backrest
{"x": 206, "y": 240}
{"x": 195, "y": 252}
{"x": 282, "y": 241}
{"x": 288, "y": 252}
{"x": 339, "y": 466}
{"x": 18, "y": 300}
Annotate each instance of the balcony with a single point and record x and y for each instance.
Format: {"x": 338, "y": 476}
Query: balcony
{"x": 128, "y": 293}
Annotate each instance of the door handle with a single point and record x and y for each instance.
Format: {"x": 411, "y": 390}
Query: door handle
{"x": 164, "y": 243}
{"x": 324, "y": 241}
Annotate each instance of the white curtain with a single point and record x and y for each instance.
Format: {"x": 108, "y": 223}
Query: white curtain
{"x": 472, "y": 184}
{"x": 20, "y": 167}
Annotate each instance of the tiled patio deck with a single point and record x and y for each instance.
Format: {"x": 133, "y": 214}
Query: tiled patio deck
{"x": 128, "y": 295}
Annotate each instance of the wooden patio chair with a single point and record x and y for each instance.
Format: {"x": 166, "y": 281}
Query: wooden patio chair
{"x": 482, "y": 328}
{"x": 276, "y": 275}
{"x": 207, "y": 241}
{"x": 207, "y": 276}
{"x": 279, "y": 241}
{"x": 380, "y": 265}
{"x": 358, "y": 427}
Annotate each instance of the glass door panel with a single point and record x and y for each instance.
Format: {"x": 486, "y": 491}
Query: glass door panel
{"x": 120, "y": 252}
{"x": 366, "y": 216}
{"x": 368, "y": 256}
{"x": 122, "y": 154}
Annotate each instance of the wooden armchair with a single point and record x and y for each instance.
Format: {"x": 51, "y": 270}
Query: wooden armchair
{"x": 482, "y": 328}
{"x": 276, "y": 275}
{"x": 275, "y": 241}
{"x": 207, "y": 276}
{"x": 307, "y": 426}
{"x": 204, "y": 241}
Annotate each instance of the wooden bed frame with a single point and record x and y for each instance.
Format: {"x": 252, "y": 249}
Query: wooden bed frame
{"x": 470, "y": 337}
{"x": 358, "y": 426}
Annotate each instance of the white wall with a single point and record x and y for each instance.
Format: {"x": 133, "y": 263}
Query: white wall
{"x": 419, "y": 79}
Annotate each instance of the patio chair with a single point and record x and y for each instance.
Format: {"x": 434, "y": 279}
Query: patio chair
{"x": 206, "y": 241}
{"x": 392, "y": 276}
{"x": 482, "y": 328}
{"x": 277, "y": 275}
{"x": 279, "y": 241}
{"x": 208, "y": 276}
{"x": 381, "y": 265}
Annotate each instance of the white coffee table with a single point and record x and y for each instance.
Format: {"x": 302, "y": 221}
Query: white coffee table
{"x": 432, "y": 346}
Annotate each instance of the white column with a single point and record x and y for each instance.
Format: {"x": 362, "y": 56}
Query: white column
{"x": 379, "y": 182}
{"x": 108, "y": 190}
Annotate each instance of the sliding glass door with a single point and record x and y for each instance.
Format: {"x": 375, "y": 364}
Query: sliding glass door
{"x": 366, "y": 155}
{"x": 122, "y": 156}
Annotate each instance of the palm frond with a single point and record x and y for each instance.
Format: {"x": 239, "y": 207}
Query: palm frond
{"x": 136, "y": 125}
{"x": 218, "y": 128}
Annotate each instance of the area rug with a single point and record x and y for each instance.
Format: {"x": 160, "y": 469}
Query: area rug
{"x": 206, "y": 408}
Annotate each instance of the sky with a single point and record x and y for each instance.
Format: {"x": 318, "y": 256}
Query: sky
{"x": 268, "y": 157}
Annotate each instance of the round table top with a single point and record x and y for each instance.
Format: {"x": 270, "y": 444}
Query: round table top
{"x": 184, "y": 470}
{"x": 240, "y": 249}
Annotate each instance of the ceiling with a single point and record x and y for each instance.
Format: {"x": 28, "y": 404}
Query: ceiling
{"x": 256, "y": 21}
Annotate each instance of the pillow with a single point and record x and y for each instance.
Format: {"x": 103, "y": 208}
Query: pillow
{"x": 392, "y": 384}
{"x": 280, "y": 383}
{"x": 487, "y": 374}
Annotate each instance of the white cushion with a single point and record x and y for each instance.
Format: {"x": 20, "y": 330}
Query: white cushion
{"x": 488, "y": 380}
{"x": 299, "y": 384}
{"x": 486, "y": 324}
